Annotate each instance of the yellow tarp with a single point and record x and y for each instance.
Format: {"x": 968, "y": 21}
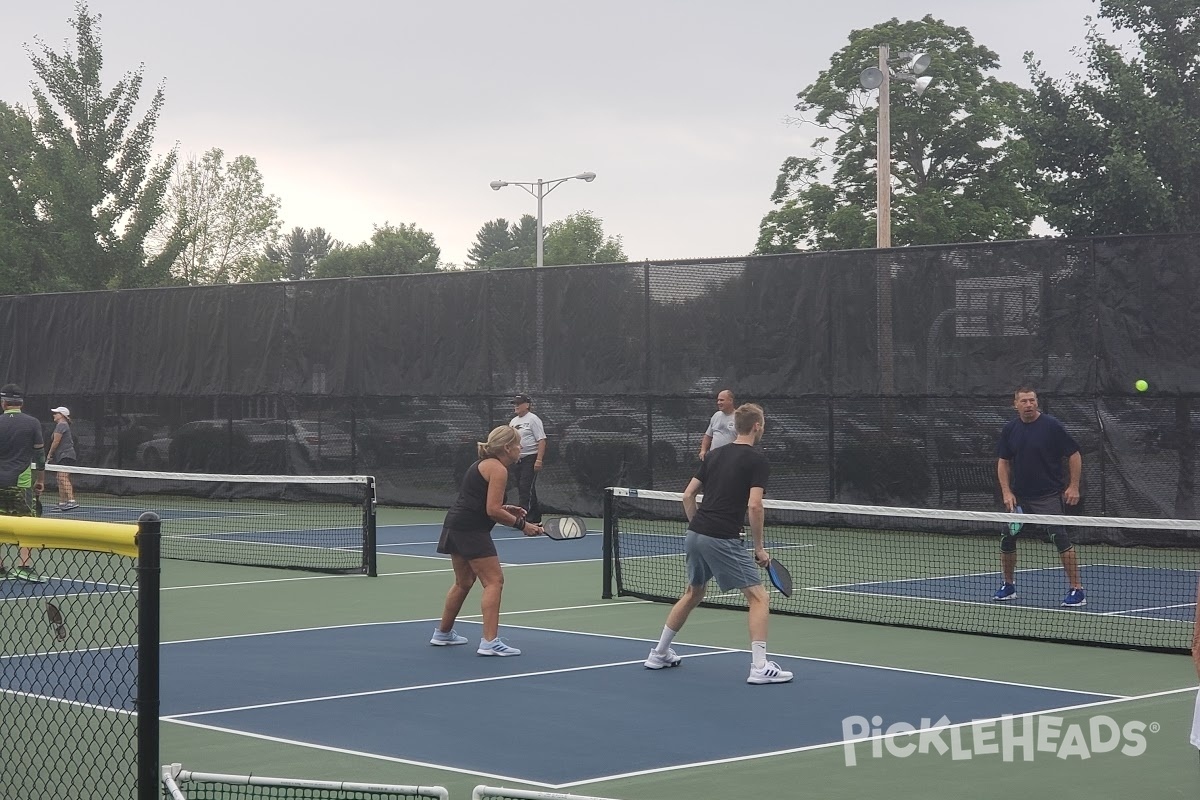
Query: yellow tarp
{"x": 63, "y": 534}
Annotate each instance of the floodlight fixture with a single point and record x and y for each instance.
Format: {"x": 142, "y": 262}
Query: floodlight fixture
{"x": 871, "y": 78}
{"x": 916, "y": 62}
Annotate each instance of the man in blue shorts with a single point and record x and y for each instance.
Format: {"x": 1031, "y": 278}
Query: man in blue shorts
{"x": 1031, "y": 451}
{"x": 733, "y": 479}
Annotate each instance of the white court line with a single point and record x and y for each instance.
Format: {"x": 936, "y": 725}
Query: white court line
{"x": 410, "y": 621}
{"x": 934, "y": 578}
{"x": 1149, "y": 608}
{"x": 401, "y": 689}
{"x": 360, "y": 753}
{"x": 716, "y": 649}
{"x": 844, "y": 742}
{"x": 989, "y": 603}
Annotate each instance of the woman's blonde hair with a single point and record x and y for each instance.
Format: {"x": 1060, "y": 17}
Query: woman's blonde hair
{"x": 497, "y": 440}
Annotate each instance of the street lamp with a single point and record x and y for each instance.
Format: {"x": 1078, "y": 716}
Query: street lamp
{"x": 880, "y": 78}
{"x": 540, "y": 189}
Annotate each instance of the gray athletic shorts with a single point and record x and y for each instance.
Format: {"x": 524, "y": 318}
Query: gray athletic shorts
{"x": 727, "y": 560}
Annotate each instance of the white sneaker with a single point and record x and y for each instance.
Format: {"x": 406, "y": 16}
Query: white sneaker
{"x": 657, "y": 660}
{"x": 769, "y": 673}
{"x": 496, "y": 647}
{"x": 442, "y": 639}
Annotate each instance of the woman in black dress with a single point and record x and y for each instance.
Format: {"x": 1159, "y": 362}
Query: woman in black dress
{"x": 467, "y": 539}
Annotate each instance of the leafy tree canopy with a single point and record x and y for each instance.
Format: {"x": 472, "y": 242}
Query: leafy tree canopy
{"x": 392, "y": 250}
{"x": 580, "y": 239}
{"x": 500, "y": 245}
{"x": 97, "y": 188}
{"x": 1118, "y": 148}
{"x": 958, "y": 171}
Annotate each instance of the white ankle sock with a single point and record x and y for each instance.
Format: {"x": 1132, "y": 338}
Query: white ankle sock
{"x": 759, "y": 651}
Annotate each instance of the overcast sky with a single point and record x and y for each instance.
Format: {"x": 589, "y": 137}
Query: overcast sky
{"x": 361, "y": 112}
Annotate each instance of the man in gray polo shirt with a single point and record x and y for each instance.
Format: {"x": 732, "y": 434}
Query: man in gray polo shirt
{"x": 20, "y": 445}
{"x": 720, "y": 430}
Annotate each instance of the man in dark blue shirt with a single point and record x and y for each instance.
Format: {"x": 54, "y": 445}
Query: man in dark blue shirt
{"x": 733, "y": 479}
{"x": 1031, "y": 451}
{"x": 20, "y": 447}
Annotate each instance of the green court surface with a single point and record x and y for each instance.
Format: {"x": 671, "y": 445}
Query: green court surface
{"x": 207, "y": 600}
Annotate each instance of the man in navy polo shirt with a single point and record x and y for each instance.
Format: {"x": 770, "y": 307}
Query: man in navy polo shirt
{"x": 20, "y": 446}
{"x": 1031, "y": 451}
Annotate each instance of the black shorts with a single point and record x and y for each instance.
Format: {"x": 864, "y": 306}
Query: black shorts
{"x": 468, "y": 544}
{"x": 66, "y": 462}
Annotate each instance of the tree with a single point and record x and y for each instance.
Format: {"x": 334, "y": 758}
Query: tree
{"x": 393, "y": 250}
{"x": 580, "y": 239}
{"x": 1117, "y": 148}
{"x": 225, "y": 217}
{"x": 959, "y": 173}
{"x": 99, "y": 190}
{"x": 295, "y": 257}
{"x": 22, "y": 258}
{"x": 500, "y": 245}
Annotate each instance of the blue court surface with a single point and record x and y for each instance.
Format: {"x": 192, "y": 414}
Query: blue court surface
{"x": 1114, "y": 590}
{"x": 574, "y": 708}
{"x": 13, "y": 589}
{"x": 130, "y": 514}
{"x": 511, "y": 546}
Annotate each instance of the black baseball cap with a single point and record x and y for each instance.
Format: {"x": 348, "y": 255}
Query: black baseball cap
{"x": 10, "y": 391}
{"x": 521, "y": 398}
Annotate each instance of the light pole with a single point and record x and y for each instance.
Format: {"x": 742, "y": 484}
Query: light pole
{"x": 539, "y": 189}
{"x": 881, "y": 78}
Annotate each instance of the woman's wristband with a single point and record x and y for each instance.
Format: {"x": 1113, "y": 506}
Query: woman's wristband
{"x": 519, "y": 524}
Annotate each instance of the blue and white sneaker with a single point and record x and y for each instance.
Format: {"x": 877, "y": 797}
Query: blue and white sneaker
{"x": 443, "y": 639}
{"x": 768, "y": 673}
{"x": 496, "y": 647}
{"x": 657, "y": 660}
{"x": 1074, "y": 598}
{"x": 1007, "y": 591}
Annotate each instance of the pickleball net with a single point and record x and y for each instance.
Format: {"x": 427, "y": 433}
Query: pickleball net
{"x": 934, "y": 569}
{"x": 79, "y": 660}
{"x": 309, "y": 522}
{"x": 181, "y": 784}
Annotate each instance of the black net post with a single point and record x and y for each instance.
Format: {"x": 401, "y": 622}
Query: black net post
{"x": 609, "y": 523}
{"x": 149, "y": 572}
{"x": 369, "y": 532}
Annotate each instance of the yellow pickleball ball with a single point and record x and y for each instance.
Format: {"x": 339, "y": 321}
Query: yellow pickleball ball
{"x": 1141, "y": 385}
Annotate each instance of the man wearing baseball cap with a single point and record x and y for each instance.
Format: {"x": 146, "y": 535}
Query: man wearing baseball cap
{"x": 20, "y": 446}
{"x": 533, "y": 451}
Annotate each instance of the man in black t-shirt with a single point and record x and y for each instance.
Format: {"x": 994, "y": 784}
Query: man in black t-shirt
{"x": 733, "y": 479}
{"x": 20, "y": 446}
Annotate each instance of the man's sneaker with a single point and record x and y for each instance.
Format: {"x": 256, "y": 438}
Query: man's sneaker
{"x": 26, "y": 574}
{"x": 768, "y": 673}
{"x": 443, "y": 639}
{"x": 496, "y": 647}
{"x": 1075, "y": 597}
{"x": 657, "y": 660}
{"x": 1007, "y": 591}
{"x": 68, "y": 506}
